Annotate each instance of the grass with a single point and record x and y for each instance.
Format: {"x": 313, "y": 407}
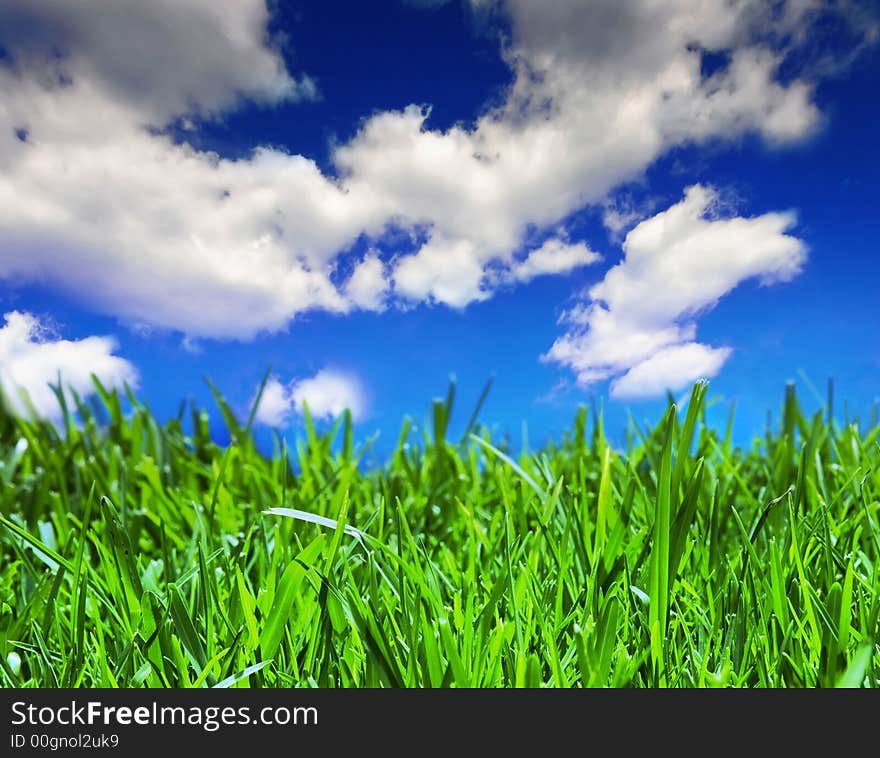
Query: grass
{"x": 136, "y": 554}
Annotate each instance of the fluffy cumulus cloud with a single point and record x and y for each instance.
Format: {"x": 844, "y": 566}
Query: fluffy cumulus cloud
{"x": 670, "y": 368}
{"x": 554, "y": 257}
{"x": 98, "y": 199}
{"x": 276, "y": 404}
{"x": 367, "y": 287}
{"x": 162, "y": 58}
{"x": 31, "y": 360}
{"x": 326, "y": 394}
{"x": 638, "y": 324}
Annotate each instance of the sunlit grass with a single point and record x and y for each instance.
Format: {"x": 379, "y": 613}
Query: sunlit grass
{"x": 140, "y": 554}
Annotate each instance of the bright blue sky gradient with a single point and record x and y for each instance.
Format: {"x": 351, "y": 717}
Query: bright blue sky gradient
{"x": 823, "y": 323}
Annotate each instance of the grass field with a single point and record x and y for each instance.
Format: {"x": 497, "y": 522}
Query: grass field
{"x": 137, "y": 555}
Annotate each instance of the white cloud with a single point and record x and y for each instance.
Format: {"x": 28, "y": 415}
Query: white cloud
{"x": 30, "y": 360}
{"x": 671, "y": 368}
{"x": 640, "y": 319}
{"x": 327, "y": 394}
{"x": 622, "y": 213}
{"x": 444, "y": 270}
{"x": 133, "y": 223}
{"x": 156, "y": 232}
{"x": 554, "y": 257}
{"x": 275, "y": 405}
{"x": 367, "y": 287}
{"x": 683, "y": 259}
{"x": 453, "y": 272}
{"x": 162, "y": 58}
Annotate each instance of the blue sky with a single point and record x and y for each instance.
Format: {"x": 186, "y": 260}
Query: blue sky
{"x": 582, "y": 201}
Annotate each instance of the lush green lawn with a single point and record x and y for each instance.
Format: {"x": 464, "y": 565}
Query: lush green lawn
{"x": 134, "y": 554}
